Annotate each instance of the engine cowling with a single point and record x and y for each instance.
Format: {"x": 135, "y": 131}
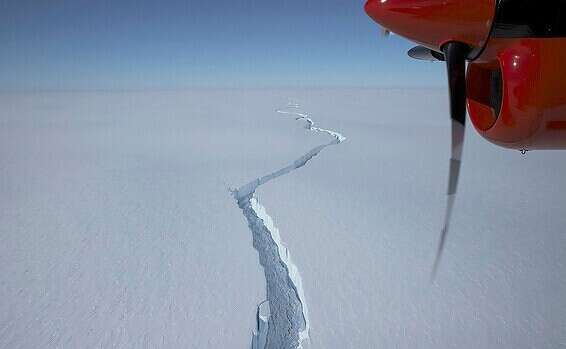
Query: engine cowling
{"x": 516, "y": 78}
{"x": 433, "y": 23}
{"x": 516, "y": 93}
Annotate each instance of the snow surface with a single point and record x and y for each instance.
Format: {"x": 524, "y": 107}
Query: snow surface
{"x": 117, "y": 228}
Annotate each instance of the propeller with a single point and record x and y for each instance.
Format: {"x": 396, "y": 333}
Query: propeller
{"x": 437, "y": 25}
{"x": 455, "y": 54}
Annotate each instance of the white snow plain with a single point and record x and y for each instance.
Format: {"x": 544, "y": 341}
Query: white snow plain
{"x": 117, "y": 227}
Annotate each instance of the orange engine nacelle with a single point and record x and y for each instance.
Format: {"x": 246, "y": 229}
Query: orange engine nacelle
{"x": 517, "y": 93}
{"x": 432, "y": 23}
{"x": 516, "y": 76}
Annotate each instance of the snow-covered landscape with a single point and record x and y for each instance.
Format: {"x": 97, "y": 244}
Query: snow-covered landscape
{"x": 232, "y": 218}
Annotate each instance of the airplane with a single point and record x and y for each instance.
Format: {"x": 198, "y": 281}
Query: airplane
{"x": 514, "y": 85}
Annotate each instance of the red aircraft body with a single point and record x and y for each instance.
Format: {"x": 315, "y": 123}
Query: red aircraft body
{"x": 514, "y": 87}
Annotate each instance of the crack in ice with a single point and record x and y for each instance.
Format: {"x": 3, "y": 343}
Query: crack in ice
{"x": 282, "y": 320}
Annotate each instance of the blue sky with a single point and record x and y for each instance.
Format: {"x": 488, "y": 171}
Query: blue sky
{"x": 150, "y": 44}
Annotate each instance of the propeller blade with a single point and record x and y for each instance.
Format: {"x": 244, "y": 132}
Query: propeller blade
{"x": 455, "y": 54}
{"x": 425, "y": 54}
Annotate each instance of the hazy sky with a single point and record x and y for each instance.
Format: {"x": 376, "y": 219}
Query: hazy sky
{"x": 127, "y": 44}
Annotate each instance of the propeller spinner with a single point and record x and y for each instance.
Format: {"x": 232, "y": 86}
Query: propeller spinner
{"x": 450, "y": 31}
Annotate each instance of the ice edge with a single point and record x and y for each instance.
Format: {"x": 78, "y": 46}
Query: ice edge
{"x": 260, "y": 223}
